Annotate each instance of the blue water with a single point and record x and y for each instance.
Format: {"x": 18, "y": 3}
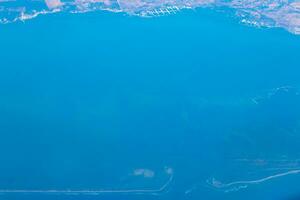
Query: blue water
{"x": 88, "y": 98}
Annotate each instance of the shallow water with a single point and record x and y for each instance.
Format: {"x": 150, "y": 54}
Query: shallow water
{"x": 186, "y": 106}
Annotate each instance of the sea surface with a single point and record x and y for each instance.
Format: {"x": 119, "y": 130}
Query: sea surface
{"x": 105, "y": 105}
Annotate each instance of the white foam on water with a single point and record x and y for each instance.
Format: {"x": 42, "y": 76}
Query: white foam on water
{"x": 262, "y": 171}
{"x": 237, "y": 185}
{"x": 144, "y": 172}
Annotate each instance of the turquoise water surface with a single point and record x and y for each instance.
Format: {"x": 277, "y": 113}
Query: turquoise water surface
{"x": 106, "y": 105}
